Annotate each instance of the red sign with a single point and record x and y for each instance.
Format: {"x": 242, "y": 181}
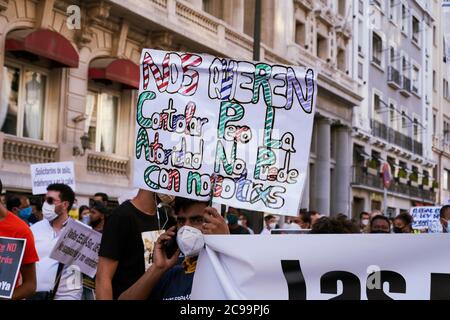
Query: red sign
{"x": 387, "y": 175}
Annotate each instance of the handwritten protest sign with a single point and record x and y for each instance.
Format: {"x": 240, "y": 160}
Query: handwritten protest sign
{"x": 240, "y": 128}
{"x": 78, "y": 245}
{"x": 11, "y": 254}
{"x": 44, "y": 174}
{"x": 424, "y": 216}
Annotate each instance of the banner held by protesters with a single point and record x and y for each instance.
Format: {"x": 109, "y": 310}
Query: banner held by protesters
{"x": 243, "y": 127}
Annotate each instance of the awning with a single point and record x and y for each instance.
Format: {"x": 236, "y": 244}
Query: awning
{"x": 44, "y": 43}
{"x": 121, "y": 71}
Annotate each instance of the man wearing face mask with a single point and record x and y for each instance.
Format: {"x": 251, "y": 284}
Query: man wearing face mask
{"x": 364, "y": 221}
{"x": 270, "y": 223}
{"x": 234, "y": 226}
{"x": 54, "y": 280}
{"x": 20, "y": 206}
{"x": 170, "y": 278}
{"x": 445, "y": 218}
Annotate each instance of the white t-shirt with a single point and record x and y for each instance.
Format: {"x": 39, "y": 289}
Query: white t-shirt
{"x": 70, "y": 286}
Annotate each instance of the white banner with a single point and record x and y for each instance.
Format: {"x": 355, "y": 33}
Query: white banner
{"x": 44, "y": 174}
{"x": 78, "y": 245}
{"x": 424, "y": 216}
{"x": 238, "y": 127}
{"x": 321, "y": 267}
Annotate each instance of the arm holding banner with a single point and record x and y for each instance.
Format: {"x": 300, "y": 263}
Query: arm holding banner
{"x": 142, "y": 289}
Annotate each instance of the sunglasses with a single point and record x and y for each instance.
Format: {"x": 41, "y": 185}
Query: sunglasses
{"x": 51, "y": 200}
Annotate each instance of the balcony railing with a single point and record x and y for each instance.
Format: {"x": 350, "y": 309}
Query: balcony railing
{"x": 361, "y": 177}
{"x": 382, "y": 131}
{"x": 394, "y": 78}
{"x": 107, "y": 164}
{"x": 406, "y": 86}
{"x": 28, "y": 151}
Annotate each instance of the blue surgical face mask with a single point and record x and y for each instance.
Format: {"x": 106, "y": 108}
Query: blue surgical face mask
{"x": 25, "y": 213}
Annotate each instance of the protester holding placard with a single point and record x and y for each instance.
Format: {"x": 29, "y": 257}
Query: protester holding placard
{"x": 53, "y": 278}
{"x": 11, "y": 226}
{"x": 121, "y": 256}
{"x": 170, "y": 277}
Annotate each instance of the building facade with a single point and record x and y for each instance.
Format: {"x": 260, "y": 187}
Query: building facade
{"x": 69, "y": 93}
{"x": 393, "y": 126}
{"x": 441, "y": 102}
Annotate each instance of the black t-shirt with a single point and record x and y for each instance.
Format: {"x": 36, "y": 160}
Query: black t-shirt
{"x": 122, "y": 241}
{"x": 239, "y": 230}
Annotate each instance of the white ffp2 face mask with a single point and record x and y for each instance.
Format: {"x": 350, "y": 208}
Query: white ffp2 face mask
{"x": 48, "y": 211}
{"x": 190, "y": 241}
{"x": 272, "y": 225}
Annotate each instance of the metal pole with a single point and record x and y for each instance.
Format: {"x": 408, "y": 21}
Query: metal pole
{"x": 385, "y": 202}
{"x": 257, "y": 31}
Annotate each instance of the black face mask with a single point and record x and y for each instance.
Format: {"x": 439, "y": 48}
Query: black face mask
{"x": 398, "y": 230}
{"x": 379, "y": 231}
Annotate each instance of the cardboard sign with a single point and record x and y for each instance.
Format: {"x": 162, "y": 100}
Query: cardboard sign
{"x": 78, "y": 245}
{"x": 236, "y": 131}
{"x": 424, "y": 216}
{"x": 11, "y": 254}
{"x": 44, "y": 174}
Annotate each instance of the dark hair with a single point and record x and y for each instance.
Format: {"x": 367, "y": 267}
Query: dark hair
{"x": 363, "y": 213}
{"x": 306, "y": 216}
{"x": 37, "y": 202}
{"x": 80, "y": 210}
{"x": 268, "y": 217}
{"x": 65, "y": 193}
{"x": 444, "y": 209}
{"x": 380, "y": 217}
{"x": 313, "y": 212}
{"x": 184, "y": 204}
{"x": 405, "y": 217}
{"x": 12, "y": 201}
{"x": 100, "y": 207}
{"x": 334, "y": 225}
{"x": 103, "y": 195}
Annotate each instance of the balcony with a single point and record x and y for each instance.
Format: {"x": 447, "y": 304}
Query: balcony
{"x": 384, "y": 132}
{"x": 362, "y": 178}
{"x": 27, "y": 151}
{"x": 107, "y": 164}
{"x": 406, "y": 86}
{"x": 394, "y": 79}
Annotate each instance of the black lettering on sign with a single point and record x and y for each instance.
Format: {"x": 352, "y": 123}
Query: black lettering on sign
{"x": 351, "y": 286}
{"x": 440, "y": 286}
{"x": 294, "y": 278}
{"x": 397, "y": 284}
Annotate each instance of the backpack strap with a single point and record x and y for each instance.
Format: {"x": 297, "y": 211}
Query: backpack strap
{"x": 57, "y": 280}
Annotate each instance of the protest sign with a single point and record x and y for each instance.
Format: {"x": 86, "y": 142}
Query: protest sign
{"x": 78, "y": 245}
{"x": 44, "y": 174}
{"x": 237, "y": 128}
{"x": 11, "y": 254}
{"x": 322, "y": 267}
{"x": 424, "y": 216}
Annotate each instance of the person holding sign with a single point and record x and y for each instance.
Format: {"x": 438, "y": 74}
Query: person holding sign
{"x": 11, "y": 226}
{"x": 54, "y": 280}
{"x": 170, "y": 276}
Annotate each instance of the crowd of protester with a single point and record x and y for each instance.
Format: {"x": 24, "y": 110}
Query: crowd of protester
{"x": 121, "y": 272}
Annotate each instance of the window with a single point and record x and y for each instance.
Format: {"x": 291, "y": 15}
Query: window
{"x": 300, "y": 34}
{"x": 446, "y": 182}
{"x": 392, "y": 56}
{"x": 361, "y": 7}
{"x": 434, "y": 36}
{"x": 322, "y": 47}
{"x": 249, "y": 17}
{"x": 415, "y": 29}
{"x": 25, "y": 91}
{"x": 405, "y": 18}
{"x": 213, "y": 7}
{"x": 393, "y": 10}
{"x": 360, "y": 70}
{"x": 360, "y": 38}
{"x": 434, "y": 124}
{"x": 376, "y": 102}
{"x": 392, "y": 116}
{"x": 415, "y": 79}
{"x": 446, "y": 131}
{"x": 102, "y": 110}
{"x": 377, "y": 49}
{"x": 341, "y": 7}
{"x": 416, "y": 130}
{"x": 404, "y": 126}
{"x": 434, "y": 80}
{"x": 342, "y": 60}
{"x": 445, "y": 89}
